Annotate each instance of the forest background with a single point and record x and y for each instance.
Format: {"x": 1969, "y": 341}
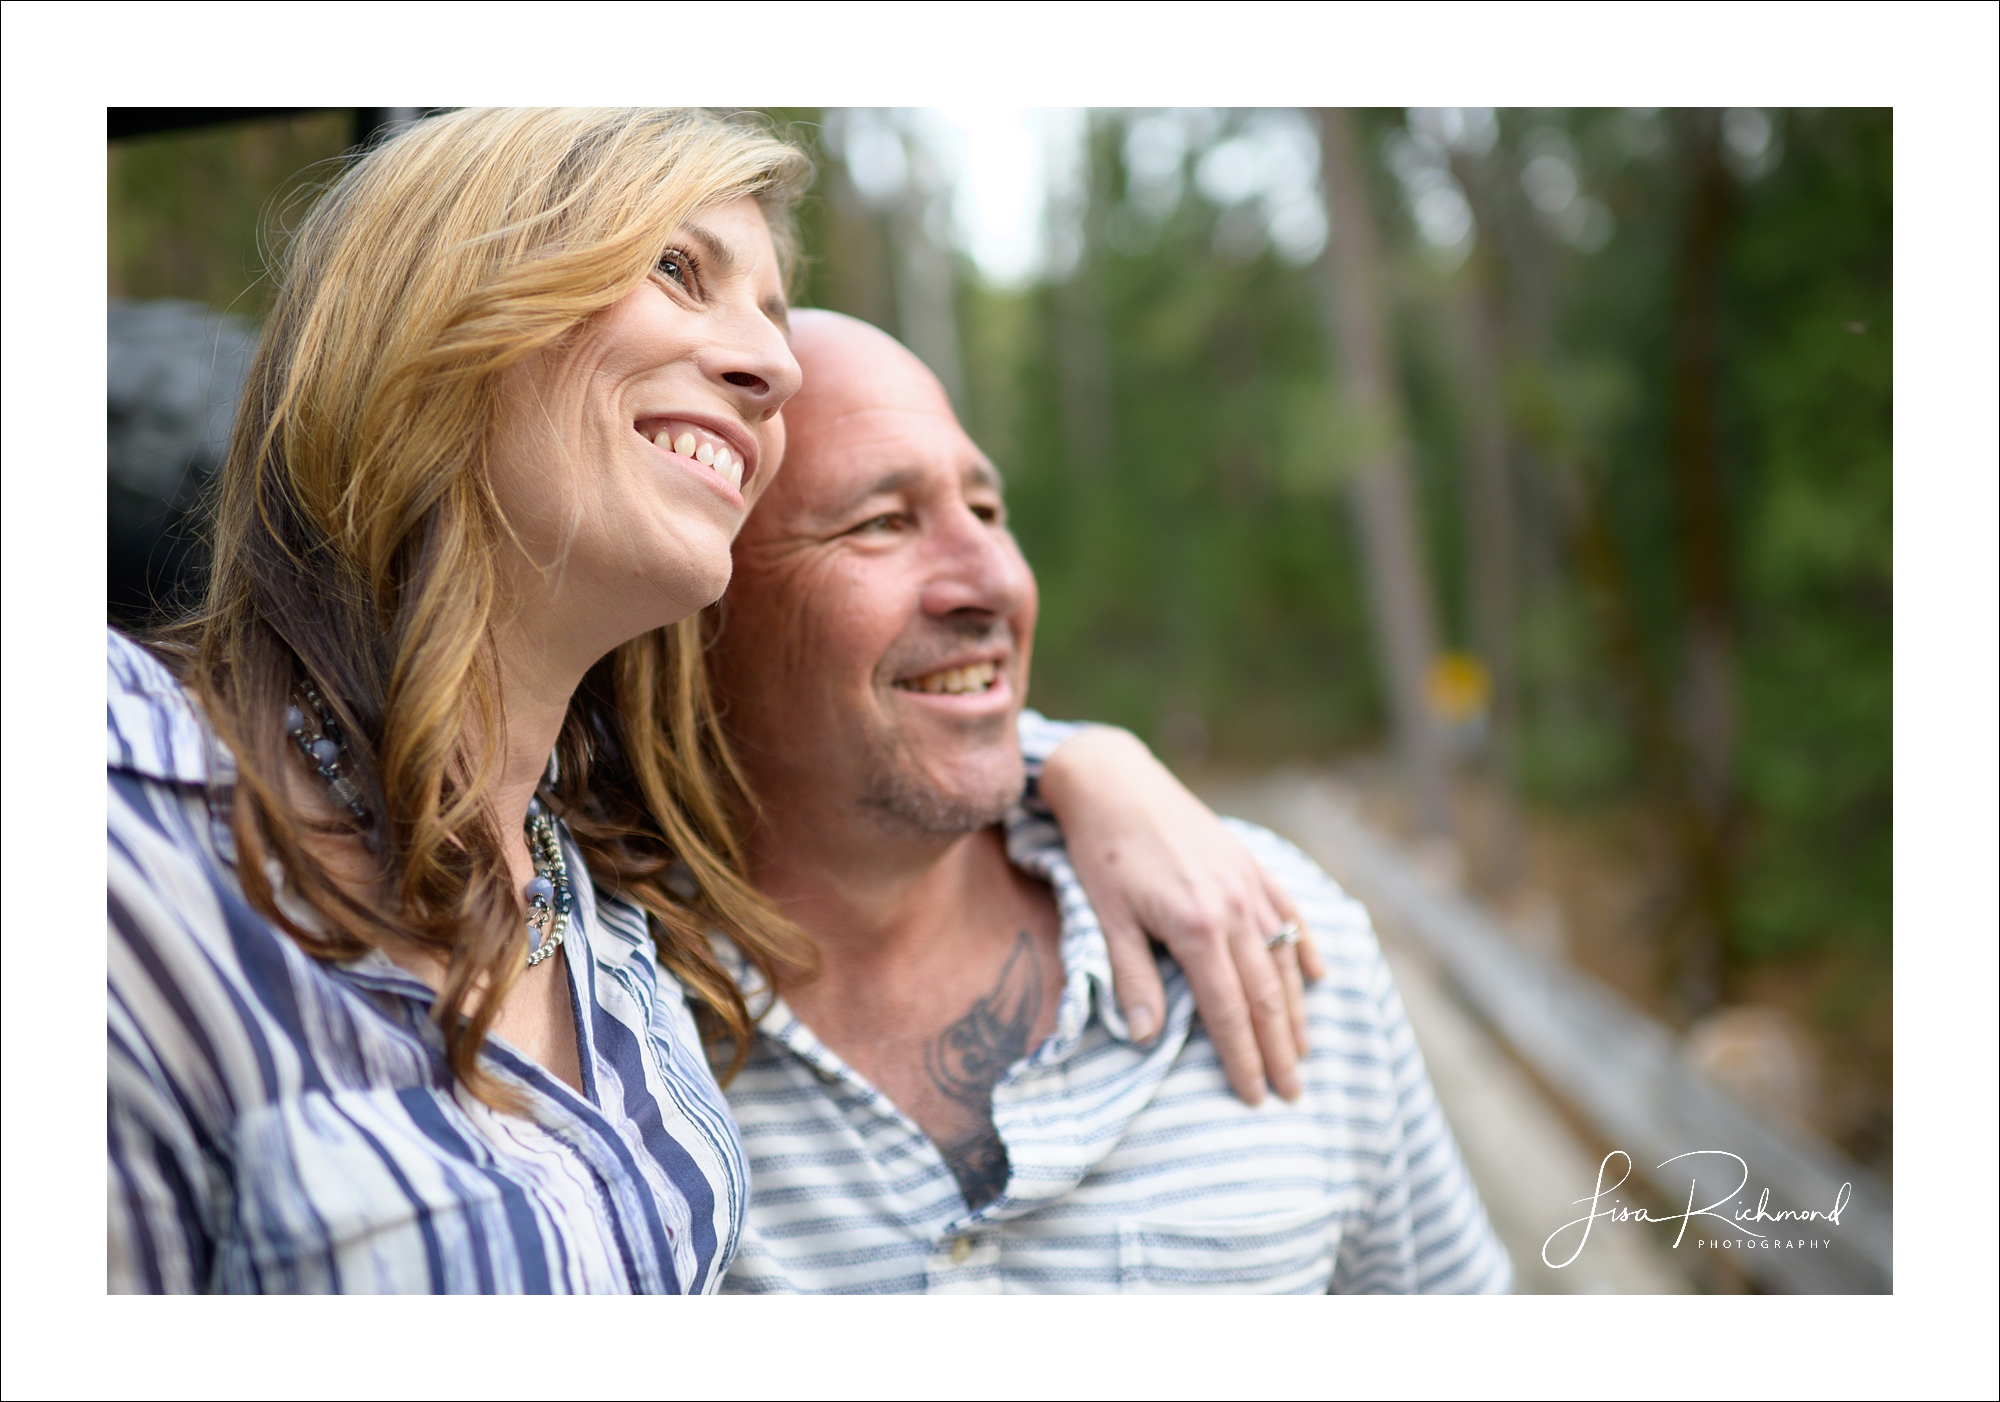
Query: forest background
{"x": 1529, "y": 469}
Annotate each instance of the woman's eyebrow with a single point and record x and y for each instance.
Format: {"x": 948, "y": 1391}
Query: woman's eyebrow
{"x": 721, "y": 257}
{"x": 722, "y": 262}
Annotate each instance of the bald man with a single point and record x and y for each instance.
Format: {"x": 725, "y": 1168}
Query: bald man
{"x": 956, "y": 1103}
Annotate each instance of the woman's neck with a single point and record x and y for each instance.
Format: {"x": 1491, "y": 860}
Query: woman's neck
{"x": 537, "y": 679}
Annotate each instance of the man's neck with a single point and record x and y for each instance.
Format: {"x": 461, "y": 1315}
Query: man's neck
{"x": 940, "y": 969}
{"x": 878, "y": 901}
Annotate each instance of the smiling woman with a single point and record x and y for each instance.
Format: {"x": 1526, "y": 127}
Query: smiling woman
{"x": 372, "y": 1028}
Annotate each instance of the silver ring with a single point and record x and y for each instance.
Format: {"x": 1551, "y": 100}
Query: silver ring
{"x": 1287, "y": 933}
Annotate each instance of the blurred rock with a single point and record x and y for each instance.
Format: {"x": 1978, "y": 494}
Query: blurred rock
{"x": 174, "y": 372}
{"x": 1762, "y": 1057}
{"x": 1535, "y": 919}
{"x": 1442, "y": 860}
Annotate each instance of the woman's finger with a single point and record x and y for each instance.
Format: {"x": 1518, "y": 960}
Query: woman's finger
{"x": 1268, "y": 919}
{"x": 1135, "y": 978}
{"x": 1271, "y": 1018}
{"x": 1295, "y": 997}
{"x": 1218, "y": 991}
{"x": 1312, "y": 968}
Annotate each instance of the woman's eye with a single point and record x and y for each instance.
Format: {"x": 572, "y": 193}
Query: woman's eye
{"x": 674, "y": 264}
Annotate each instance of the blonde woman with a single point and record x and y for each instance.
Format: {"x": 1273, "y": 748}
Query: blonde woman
{"x": 419, "y": 829}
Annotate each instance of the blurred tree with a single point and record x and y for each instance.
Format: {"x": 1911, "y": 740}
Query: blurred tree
{"x": 1807, "y": 336}
{"x": 1487, "y": 491}
{"x": 1398, "y": 573}
{"x": 1705, "y": 563}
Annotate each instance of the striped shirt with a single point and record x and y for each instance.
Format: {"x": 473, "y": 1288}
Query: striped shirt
{"x": 1132, "y": 1168}
{"x": 281, "y": 1124}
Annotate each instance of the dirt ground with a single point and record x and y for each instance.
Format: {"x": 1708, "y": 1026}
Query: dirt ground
{"x": 1595, "y": 888}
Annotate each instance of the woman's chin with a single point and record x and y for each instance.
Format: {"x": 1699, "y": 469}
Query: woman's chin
{"x": 690, "y": 591}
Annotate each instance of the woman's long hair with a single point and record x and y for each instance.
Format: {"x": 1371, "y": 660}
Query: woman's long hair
{"x": 357, "y": 538}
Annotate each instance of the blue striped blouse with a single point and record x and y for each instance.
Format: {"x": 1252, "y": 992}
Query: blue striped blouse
{"x": 281, "y": 1124}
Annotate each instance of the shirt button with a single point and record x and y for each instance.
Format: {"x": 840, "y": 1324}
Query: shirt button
{"x": 960, "y": 1249}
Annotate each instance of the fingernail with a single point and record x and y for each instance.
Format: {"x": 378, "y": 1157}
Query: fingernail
{"x": 1139, "y": 1021}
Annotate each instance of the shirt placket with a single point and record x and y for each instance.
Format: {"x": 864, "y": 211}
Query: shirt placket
{"x": 967, "y": 1263}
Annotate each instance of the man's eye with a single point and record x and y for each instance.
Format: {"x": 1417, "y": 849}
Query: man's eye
{"x": 989, "y": 514}
{"x": 891, "y": 521}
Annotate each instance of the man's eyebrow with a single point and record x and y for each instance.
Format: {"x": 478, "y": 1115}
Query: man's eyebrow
{"x": 888, "y": 484}
{"x": 903, "y": 479}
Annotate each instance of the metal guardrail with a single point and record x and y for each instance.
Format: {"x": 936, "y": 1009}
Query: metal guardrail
{"x": 1613, "y": 1063}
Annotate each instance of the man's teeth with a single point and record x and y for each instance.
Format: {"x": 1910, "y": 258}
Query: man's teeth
{"x": 703, "y": 450}
{"x": 957, "y": 680}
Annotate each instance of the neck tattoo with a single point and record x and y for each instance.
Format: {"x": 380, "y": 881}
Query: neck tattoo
{"x": 549, "y": 898}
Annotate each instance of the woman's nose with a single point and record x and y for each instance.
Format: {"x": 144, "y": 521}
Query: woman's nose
{"x": 758, "y": 366}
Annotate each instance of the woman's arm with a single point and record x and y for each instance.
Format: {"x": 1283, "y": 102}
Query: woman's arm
{"x": 1156, "y": 862}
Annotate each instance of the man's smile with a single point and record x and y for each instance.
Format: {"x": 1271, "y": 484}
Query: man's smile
{"x": 955, "y": 681}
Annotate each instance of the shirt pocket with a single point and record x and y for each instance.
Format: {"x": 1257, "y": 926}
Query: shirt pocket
{"x": 1289, "y": 1252}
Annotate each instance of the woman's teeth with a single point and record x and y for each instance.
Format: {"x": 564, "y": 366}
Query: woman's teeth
{"x": 691, "y": 443}
{"x": 955, "y": 680}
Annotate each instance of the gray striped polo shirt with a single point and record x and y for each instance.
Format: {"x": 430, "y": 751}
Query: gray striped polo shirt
{"x": 1132, "y": 1168}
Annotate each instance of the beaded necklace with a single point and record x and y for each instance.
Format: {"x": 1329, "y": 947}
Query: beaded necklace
{"x": 549, "y": 896}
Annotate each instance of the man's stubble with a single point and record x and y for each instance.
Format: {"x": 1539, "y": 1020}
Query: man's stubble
{"x": 898, "y": 791}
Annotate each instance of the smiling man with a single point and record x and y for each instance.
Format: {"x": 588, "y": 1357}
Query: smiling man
{"x": 956, "y": 1104}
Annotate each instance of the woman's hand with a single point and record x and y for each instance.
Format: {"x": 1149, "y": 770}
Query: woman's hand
{"x": 1155, "y": 861}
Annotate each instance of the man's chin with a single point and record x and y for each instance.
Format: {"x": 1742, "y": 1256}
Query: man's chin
{"x": 962, "y": 795}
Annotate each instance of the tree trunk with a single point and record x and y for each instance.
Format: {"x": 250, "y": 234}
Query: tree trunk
{"x": 1490, "y": 340}
{"x": 1489, "y": 519}
{"x": 926, "y": 291}
{"x": 1399, "y": 587}
{"x": 1083, "y": 341}
{"x": 858, "y": 278}
{"x": 1703, "y": 548}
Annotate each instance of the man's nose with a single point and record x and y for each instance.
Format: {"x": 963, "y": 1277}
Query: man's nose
{"x": 974, "y": 565}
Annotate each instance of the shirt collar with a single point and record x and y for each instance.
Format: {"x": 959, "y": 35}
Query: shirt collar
{"x": 154, "y": 728}
{"x": 1087, "y": 984}
{"x": 1088, "y": 990}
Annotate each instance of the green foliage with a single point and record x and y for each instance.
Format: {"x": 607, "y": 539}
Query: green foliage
{"x": 1205, "y": 582}
{"x": 1811, "y": 373}
{"x": 187, "y": 210}
{"x": 1200, "y": 586}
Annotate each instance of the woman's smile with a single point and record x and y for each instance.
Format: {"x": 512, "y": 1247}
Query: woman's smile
{"x": 729, "y": 456}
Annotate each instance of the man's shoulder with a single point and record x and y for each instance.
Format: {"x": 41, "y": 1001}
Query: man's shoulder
{"x": 1321, "y": 900}
{"x": 1340, "y": 924}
